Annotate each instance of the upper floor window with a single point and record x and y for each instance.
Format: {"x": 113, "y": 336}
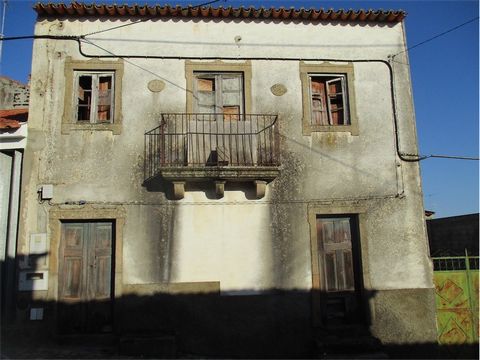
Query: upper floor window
{"x": 222, "y": 88}
{"x": 328, "y": 98}
{"x": 95, "y": 100}
{"x": 93, "y": 96}
{"x": 220, "y": 93}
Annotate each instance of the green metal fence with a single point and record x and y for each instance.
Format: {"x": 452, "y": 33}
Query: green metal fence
{"x": 456, "y": 288}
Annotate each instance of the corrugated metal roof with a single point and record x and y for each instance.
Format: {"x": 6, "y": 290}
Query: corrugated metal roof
{"x": 10, "y": 119}
{"x": 76, "y": 9}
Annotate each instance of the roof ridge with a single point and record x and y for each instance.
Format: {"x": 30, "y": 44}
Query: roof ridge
{"x": 81, "y": 9}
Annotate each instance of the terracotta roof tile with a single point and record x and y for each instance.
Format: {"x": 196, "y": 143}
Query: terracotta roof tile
{"x": 9, "y": 124}
{"x": 10, "y": 119}
{"x": 77, "y": 9}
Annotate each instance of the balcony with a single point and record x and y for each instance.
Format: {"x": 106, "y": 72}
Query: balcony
{"x": 213, "y": 147}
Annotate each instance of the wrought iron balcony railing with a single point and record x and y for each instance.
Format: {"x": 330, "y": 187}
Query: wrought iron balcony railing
{"x": 211, "y": 141}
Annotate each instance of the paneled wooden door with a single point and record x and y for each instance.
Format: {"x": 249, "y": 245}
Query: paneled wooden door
{"x": 340, "y": 269}
{"x": 85, "y": 277}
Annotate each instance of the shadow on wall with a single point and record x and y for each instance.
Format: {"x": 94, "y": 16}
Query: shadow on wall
{"x": 244, "y": 324}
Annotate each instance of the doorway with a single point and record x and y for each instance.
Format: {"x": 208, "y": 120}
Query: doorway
{"x": 85, "y": 280}
{"x": 339, "y": 268}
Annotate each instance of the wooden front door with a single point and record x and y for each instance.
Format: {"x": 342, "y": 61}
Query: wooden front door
{"x": 340, "y": 270}
{"x": 85, "y": 277}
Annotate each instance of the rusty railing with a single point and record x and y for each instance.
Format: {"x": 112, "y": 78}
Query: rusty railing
{"x": 222, "y": 140}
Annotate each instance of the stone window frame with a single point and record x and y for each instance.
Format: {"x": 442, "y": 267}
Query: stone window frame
{"x": 58, "y": 215}
{"x": 219, "y": 66}
{"x": 341, "y": 210}
{"x": 307, "y": 70}
{"x": 71, "y": 67}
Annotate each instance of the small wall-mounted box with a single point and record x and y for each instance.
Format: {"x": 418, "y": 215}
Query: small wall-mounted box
{"x": 33, "y": 280}
{"x": 36, "y": 314}
{"x": 46, "y": 192}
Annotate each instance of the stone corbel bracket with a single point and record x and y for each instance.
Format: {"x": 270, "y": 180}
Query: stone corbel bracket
{"x": 178, "y": 189}
{"x": 220, "y": 188}
{"x": 260, "y": 188}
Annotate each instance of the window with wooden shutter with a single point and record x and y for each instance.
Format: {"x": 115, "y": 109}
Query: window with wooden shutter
{"x": 95, "y": 94}
{"x": 328, "y": 100}
{"x": 220, "y": 94}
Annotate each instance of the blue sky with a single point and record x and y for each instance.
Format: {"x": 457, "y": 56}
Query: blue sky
{"x": 445, "y": 75}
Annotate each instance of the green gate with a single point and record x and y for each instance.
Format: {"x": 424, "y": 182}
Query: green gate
{"x": 456, "y": 288}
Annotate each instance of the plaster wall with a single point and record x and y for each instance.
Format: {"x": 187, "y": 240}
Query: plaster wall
{"x": 16, "y": 139}
{"x": 6, "y": 161}
{"x": 246, "y": 245}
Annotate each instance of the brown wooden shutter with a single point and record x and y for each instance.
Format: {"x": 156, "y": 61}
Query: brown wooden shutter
{"x": 318, "y": 102}
{"x": 335, "y": 98}
{"x": 104, "y": 98}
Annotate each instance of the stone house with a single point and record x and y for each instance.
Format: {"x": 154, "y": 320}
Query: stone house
{"x": 231, "y": 178}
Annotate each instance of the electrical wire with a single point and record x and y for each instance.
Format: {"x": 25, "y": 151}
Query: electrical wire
{"x": 27, "y": 37}
{"x": 436, "y": 36}
{"x": 133, "y": 64}
{"x": 403, "y": 156}
{"x": 449, "y": 157}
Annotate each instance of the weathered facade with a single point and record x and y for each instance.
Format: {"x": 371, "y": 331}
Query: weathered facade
{"x": 231, "y": 178}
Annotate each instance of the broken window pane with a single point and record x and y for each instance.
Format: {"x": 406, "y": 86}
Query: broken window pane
{"x": 95, "y": 94}
{"x": 205, "y": 84}
{"x": 84, "y": 98}
{"x": 231, "y": 112}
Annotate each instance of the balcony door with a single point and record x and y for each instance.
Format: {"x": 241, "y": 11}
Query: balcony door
{"x": 220, "y": 94}
{"x": 85, "y": 277}
{"x": 221, "y": 133}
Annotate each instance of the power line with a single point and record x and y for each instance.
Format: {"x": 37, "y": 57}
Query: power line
{"x": 437, "y": 36}
{"x": 49, "y": 37}
{"x": 81, "y": 38}
{"x": 403, "y": 156}
{"x": 454, "y": 157}
{"x": 132, "y": 63}
{"x": 53, "y": 37}
{"x": 2, "y": 29}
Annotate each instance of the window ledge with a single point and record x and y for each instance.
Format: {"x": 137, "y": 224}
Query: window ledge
{"x": 307, "y": 130}
{"x": 116, "y": 129}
